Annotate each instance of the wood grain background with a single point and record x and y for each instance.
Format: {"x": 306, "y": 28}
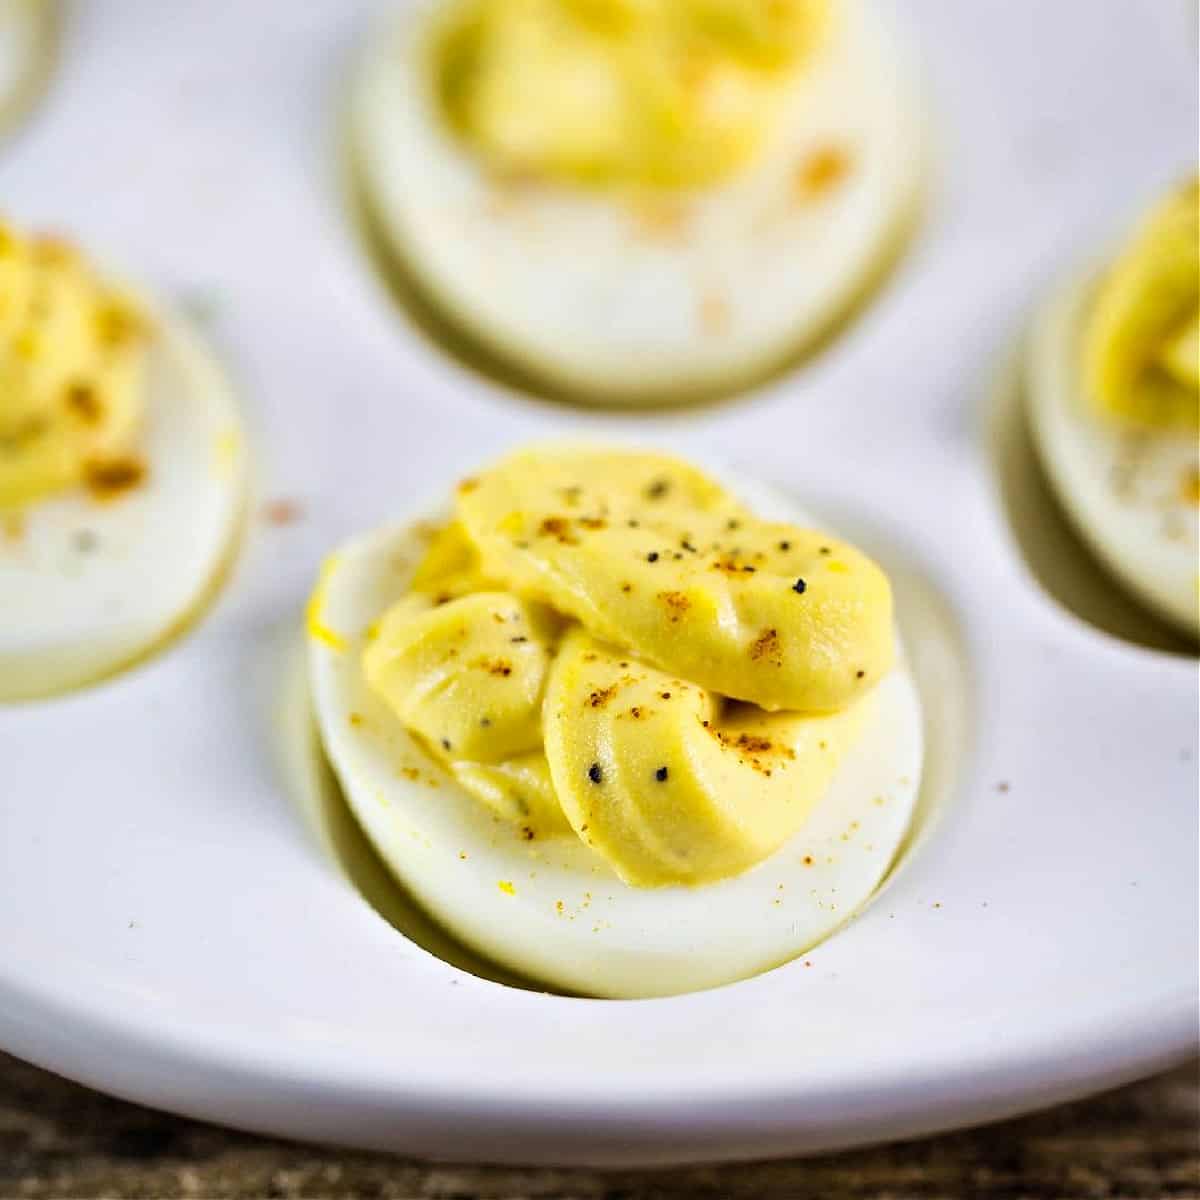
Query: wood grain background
{"x": 62, "y": 1141}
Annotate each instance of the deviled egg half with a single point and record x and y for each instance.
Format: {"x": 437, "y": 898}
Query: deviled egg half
{"x": 1114, "y": 405}
{"x": 26, "y": 37}
{"x": 121, "y": 470}
{"x": 634, "y": 200}
{"x": 611, "y": 728}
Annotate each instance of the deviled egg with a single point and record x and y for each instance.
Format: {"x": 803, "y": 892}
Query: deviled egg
{"x": 611, "y": 728}
{"x": 26, "y": 34}
{"x": 631, "y": 200}
{"x": 121, "y": 470}
{"x": 1114, "y": 405}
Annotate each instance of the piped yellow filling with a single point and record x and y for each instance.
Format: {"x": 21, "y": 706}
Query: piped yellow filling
{"x": 1141, "y": 352}
{"x": 72, "y": 353}
{"x": 314, "y": 614}
{"x": 674, "y": 93}
{"x": 608, "y": 643}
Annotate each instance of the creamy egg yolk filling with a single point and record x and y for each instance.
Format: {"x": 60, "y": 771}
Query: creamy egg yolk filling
{"x": 608, "y": 643}
{"x": 72, "y": 354}
{"x": 673, "y": 93}
{"x": 1141, "y": 350}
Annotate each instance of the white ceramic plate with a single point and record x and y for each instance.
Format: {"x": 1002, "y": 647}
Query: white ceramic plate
{"x": 172, "y": 931}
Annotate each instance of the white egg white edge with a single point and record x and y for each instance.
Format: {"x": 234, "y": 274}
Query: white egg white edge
{"x": 84, "y": 635}
{"x": 28, "y": 32}
{"x": 619, "y": 322}
{"x": 1080, "y": 452}
{"x": 608, "y": 939}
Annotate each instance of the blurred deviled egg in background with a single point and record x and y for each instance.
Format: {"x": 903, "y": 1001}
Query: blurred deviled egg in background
{"x": 639, "y": 200}
{"x": 121, "y": 470}
{"x": 1114, "y": 406}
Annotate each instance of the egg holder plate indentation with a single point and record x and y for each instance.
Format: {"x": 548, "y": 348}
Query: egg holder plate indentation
{"x": 170, "y": 932}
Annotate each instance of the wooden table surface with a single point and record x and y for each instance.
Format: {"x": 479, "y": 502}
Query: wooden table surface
{"x": 60, "y": 1140}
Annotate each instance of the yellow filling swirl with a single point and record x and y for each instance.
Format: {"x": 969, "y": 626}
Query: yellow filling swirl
{"x": 1141, "y": 354}
{"x": 71, "y": 364}
{"x": 609, "y": 643}
{"x": 673, "y": 93}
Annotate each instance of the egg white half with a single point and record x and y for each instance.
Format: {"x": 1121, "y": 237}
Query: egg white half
{"x": 89, "y": 586}
{"x": 25, "y": 35}
{"x": 1125, "y": 492}
{"x": 570, "y": 287}
{"x": 551, "y": 909}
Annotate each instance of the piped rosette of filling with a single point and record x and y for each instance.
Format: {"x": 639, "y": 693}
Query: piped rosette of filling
{"x": 698, "y": 638}
{"x": 640, "y": 689}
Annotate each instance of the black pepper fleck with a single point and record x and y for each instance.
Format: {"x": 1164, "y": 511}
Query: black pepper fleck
{"x": 652, "y": 556}
{"x": 445, "y": 743}
{"x": 799, "y": 587}
{"x": 485, "y": 721}
{"x": 826, "y": 550}
{"x": 658, "y": 489}
{"x": 785, "y": 545}
{"x": 661, "y": 774}
{"x": 594, "y": 773}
